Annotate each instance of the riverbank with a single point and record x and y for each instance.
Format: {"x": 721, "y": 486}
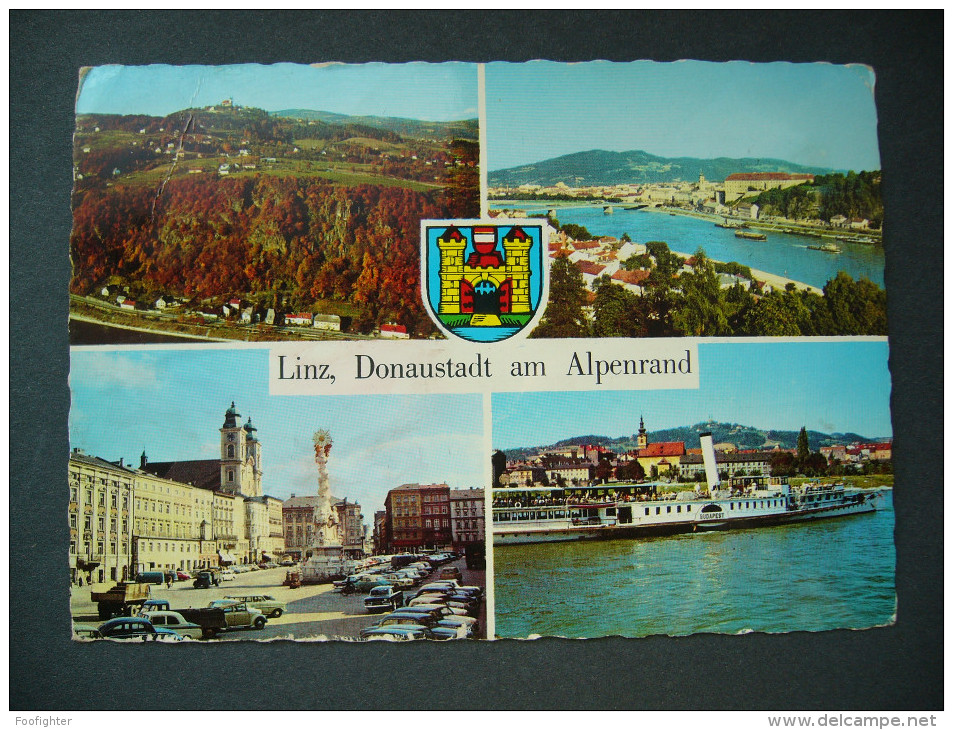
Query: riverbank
{"x": 867, "y": 238}
{"x": 74, "y": 316}
{"x": 773, "y": 280}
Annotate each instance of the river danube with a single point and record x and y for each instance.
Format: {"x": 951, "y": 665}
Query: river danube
{"x": 811, "y": 576}
{"x": 782, "y": 254}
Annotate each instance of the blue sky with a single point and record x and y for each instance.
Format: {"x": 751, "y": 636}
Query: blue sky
{"x": 829, "y": 387}
{"x": 813, "y": 114}
{"x": 172, "y": 403}
{"x": 434, "y": 92}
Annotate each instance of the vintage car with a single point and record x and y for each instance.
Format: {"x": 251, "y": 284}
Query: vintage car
{"x": 395, "y": 633}
{"x": 436, "y": 631}
{"x": 363, "y": 585}
{"x": 450, "y": 572}
{"x": 135, "y": 628}
{"x": 268, "y": 605}
{"x": 382, "y": 598}
{"x": 205, "y": 579}
{"x": 174, "y": 621}
{"x": 240, "y": 616}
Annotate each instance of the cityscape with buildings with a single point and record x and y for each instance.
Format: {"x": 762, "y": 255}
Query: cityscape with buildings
{"x": 194, "y": 525}
{"x": 578, "y": 464}
{"x": 236, "y": 502}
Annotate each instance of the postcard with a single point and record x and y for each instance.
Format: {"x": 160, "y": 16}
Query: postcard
{"x": 489, "y": 351}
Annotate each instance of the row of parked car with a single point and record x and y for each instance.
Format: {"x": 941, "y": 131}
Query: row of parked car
{"x": 440, "y": 610}
{"x": 158, "y": 622}
{"x": 399, "y": 574}
{"x": 216, "y": 575}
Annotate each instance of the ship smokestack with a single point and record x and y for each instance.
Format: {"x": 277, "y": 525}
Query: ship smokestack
{"x": 711, "y": 468}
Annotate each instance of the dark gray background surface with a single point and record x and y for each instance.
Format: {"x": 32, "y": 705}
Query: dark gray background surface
{"x": 891, "y": 668}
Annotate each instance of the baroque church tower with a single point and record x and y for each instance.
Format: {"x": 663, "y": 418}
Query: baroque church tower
{"x": 642, "y": 440}
{"x": 240, "y": 456}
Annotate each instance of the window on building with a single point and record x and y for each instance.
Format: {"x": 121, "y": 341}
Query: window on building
{"x": 73, "y": 494}
{"x": 72, "y": 547}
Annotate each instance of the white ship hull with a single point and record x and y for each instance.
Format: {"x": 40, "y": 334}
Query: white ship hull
{"x": 515, "y": 524}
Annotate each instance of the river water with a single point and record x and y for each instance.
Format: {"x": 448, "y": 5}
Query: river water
{"x": 782, "y": 254}
{"x": 82, "y": 332}
{"x": 812, "y": 576}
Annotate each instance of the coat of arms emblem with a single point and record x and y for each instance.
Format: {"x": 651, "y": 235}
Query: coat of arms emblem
{"x": 484, "y": 281}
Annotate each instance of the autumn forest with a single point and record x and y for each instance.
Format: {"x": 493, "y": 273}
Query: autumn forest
{"x": 300, "y": 234}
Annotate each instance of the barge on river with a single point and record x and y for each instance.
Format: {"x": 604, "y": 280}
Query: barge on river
{"x": 751, "y": 235}
{"x": 608, "y": 511}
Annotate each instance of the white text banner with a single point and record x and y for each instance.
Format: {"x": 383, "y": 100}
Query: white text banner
{"x": 349, "y": 368}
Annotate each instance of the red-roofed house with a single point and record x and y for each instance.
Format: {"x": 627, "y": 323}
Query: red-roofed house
{"x": 300, "y": 318}
{"x": 395, "y": 331}
{"x": 590, "y": 268}
{"x": 635, "y": 278}
{"x": 652, "y": 455}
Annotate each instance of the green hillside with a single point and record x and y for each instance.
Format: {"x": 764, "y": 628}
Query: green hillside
{"x": 463, "y": 129}
{"x": 601, "y": 167}
{"x": 743, "y": 437}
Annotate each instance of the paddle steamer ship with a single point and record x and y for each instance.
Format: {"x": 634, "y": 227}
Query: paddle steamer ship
{"x": 550, "y": 514}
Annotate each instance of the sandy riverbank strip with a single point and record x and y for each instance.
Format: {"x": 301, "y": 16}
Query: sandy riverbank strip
{"x": 775, "y": 281}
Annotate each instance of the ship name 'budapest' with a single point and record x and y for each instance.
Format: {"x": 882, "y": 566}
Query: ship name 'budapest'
{"x": 588, "y": 365}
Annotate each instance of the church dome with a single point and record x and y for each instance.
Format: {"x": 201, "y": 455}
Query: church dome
{"x": 250, "y": 430}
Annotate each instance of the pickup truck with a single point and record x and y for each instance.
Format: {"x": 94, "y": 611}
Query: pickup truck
{"x": 212, "y": 620}
{"x": 384, "y": 598}
{"x": 205, "y": 579}
{"x": 119, "y": 599}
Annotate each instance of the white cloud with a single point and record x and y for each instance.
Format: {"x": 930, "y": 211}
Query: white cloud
{"x": 112, "y": 370}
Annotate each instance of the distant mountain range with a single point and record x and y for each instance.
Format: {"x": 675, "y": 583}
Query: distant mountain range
{"x": 743, "y": 437}
{"x": 462, "y": 129}
{"x": 600, "y": 167}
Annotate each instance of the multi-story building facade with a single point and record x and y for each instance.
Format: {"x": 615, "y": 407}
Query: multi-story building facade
{"x": 172, "y": 515}
{"x": 739, "y": 184}
{"x": 435, "y": 515}
{"x": 403, "y": 505}
{"x": 297, "y": 515}
{"x": 752, "y": 463}
{"x": 467, "y": 522}
{"x": 570, "y": 472}
{"x": 172, "y": 525}
{"x": 418, "y": 516}
{"x": 380, "y": 532}
{"x": 100, "y": 519}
